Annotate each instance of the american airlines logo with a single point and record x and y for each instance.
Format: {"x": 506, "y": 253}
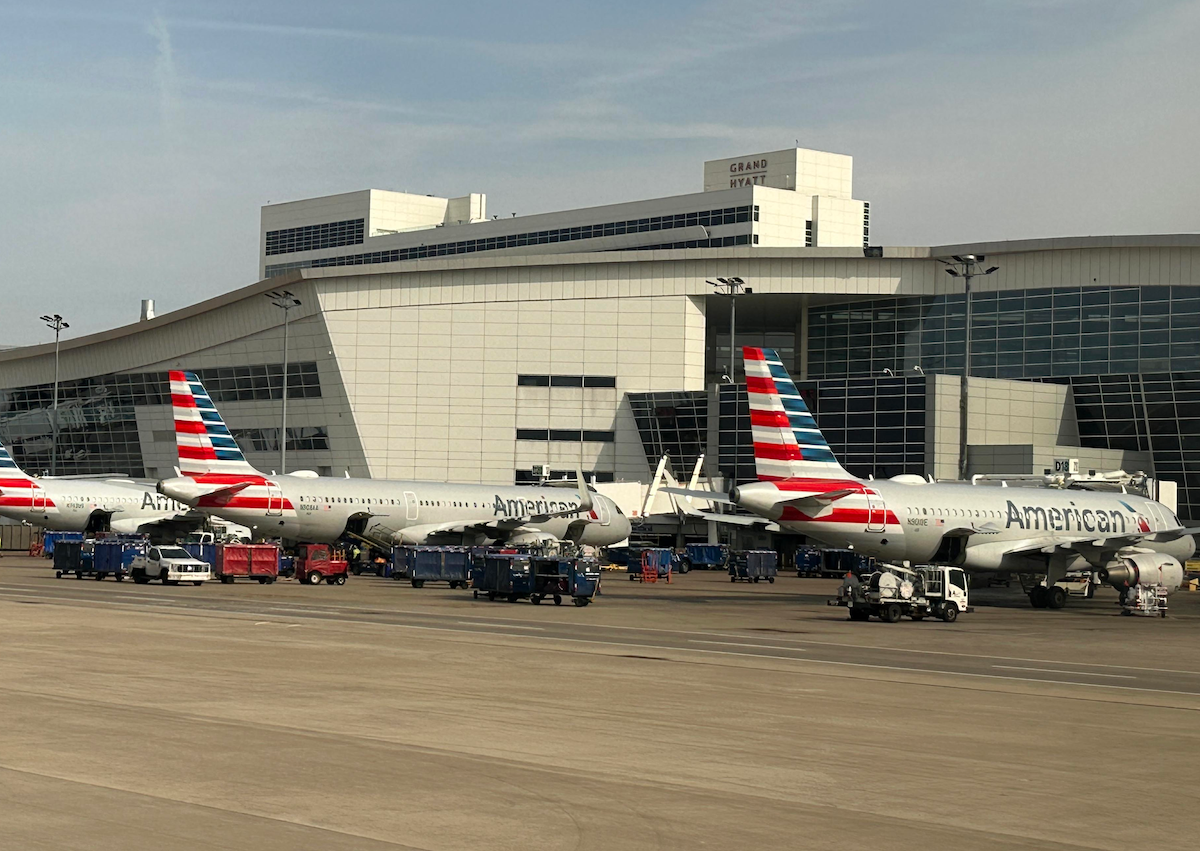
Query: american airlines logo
{"x": 1068, "y": 519}
{"x": 502, "y": 507}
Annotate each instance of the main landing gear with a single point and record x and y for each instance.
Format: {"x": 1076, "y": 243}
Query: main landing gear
{"x": 1043, "y": 597}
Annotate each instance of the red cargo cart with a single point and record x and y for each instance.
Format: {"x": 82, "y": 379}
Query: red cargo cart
{"x": 253, "y": 561}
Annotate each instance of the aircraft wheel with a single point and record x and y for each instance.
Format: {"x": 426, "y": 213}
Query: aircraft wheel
{"x": 1056, "y": 597}
{"x": 1037, "y": 597}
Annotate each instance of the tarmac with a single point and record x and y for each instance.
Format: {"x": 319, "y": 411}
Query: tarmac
{"x": 696, "y": 714}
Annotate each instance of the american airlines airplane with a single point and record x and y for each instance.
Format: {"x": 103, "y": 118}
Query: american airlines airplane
{"x": 215, "y": 477}
{"x": 91, "y": 505}
{"x": 1128, "y": 539}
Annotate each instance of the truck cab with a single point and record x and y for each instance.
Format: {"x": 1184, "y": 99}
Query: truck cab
{"x": 171, "y": 565}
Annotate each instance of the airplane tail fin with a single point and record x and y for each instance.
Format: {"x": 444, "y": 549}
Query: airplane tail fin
{"x": 787, "y": 442}
{"x": 204, "y": 442}
{"x": 10, "y": 473}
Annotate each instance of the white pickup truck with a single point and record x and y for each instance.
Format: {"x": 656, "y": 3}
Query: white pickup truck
{"x": 170, "y": 564}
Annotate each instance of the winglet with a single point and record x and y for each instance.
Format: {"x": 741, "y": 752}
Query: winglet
{"x": 585, "y": 495}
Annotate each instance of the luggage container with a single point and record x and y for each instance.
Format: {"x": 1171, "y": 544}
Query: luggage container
{"x": 207, "y": 553}
{"x": 584, "y": 581}
{"x": 652, "y": 564}
{"x": 50, "y": 539}
{"x": 317, "y": 563}
{"x": 557, "y": 577}
{"x": 808, "y": 561}
{"x": 705, "y": 557}
{"x": 113, "y": 557}
{"x": 402, "y": 559}
{"x": 253, "y": 561}
{"x": 440, "y": 564}
{"x": 754, "y": 565}
{"x": 507, "y": 575}
{"x": 72, "y": 559}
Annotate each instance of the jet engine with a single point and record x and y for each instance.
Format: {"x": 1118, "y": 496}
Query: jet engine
{"x": 1143, "y": 569}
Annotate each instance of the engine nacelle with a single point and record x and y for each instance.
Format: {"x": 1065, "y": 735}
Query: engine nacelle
{"x": 1144, "y": 569}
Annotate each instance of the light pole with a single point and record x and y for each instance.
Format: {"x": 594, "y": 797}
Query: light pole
{"x": 285, "y": 300}
{"x": 731, "y": 287}
{"x": 966, "y": 266}
{"x": 53, "y": 320}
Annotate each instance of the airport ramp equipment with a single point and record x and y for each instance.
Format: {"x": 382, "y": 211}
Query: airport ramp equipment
{"x": 504, "y": 575}
{"x": 259, "y": 562}
{"x": 113, "y": 556}
{"x": 72, "y": 559}
{"x": 705, "y": 557}
{"x": 754, "y": 566}
{"x": 650, "y": 565}
{"x": 206, "y": 553}
{"x": 440, "y": 564}
{"x": 51, "y": 539}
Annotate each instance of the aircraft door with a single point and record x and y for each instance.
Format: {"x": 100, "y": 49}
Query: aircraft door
{"x": 411, "y": 505}
{"x": 603, "y": 512}
{"x": 37, "y": 499}
{"x": 274, "y": 500}
{"x": 876, "y": 512}
{"x": 1157, "y": 520}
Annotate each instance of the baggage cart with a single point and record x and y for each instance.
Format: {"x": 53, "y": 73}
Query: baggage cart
{"x": 207, "y": 553}
{"x": 440, "y": 564}
{"x": 50, "y": 539}
{"x": 317, "y": 563}
{"x": 584, "y": 581}
{"x": 809, "y": 561}
{"x": 252, "y": 561}
{"x": 112, "y": 557}
{"x": 72, "y": 559}
{"x": 651, "y": 565}
{"x": 754, "y": 565}
{"x": 507, "y": 575}
{"x": 705, "y": 557}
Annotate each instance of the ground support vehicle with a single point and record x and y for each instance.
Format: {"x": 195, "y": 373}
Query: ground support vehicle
{"x": 652, "y": 564}
{"x": 317, "y": 563}
{"x": 252, "y": 561}
{"x": 507, "y": 575}
{"x": 287, "y": 566}
{"x": 50, "y": 539}
{"x": 1077, "y": 584}
{"x": 893, "y": 592}
{"x": 754, "y": 565}
{"x": 559, "y": 577}
{"x": 169, "y": 564}
{"x": 1148, "y": 601}
{"x": 704, "y": 557}
{"x": 437, "y": 564}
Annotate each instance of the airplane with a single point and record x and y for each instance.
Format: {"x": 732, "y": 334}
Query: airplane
{"x": 214, "y": 476}
{"x": 1128, "y": 540}
{"x": 91, "y": 505}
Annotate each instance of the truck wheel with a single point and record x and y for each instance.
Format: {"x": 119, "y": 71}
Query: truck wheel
{"x": 315, "y": 578}
{"x": 1056, "y": 597}
{"x": 950, "y": 612}
{"x": 262, "y": 581}
{"x": 536, "y": 600}
{"x": 198, "y": 583}
{"x": 890, "y": 613}
{"x": 771, "y": 579}
{"x": 557, "y": 599}
{"x": 140, "y": 578}
{"x": 341, "y": 580}
{"x": 163, "y": 576}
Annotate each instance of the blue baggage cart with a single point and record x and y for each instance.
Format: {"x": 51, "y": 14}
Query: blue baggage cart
{"x": 754, "y": 565}
{"x": 50, "y": 539}
{"x": 584, "y": 581}
{"x": 112, "y": 558}
{"x": 706, "y": 557}
{"x": 618, "y": 556}
{"x": 654, "y": 561}
{"x": 206, "y": 553}
{"x": 72, "y": 558}
{"x": 808, "y": 561}
{"x": 440, "y": 564}
{"x": 507, "y": 575}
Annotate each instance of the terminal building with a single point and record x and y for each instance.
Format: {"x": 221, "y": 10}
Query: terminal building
{"x": 435, "y": 342}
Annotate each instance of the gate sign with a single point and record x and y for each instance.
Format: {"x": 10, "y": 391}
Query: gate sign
{"x": 1067, "y": 466}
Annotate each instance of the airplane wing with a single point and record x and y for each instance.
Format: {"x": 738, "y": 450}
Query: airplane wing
{"x": 1049, "y": 543}
{"x": 710, "y": 496}
{"x": 737, "y": 520}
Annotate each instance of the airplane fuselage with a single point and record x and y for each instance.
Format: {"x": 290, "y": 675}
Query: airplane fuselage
{"x": 77, "y": 505}
{"x": 972, "y": 526}
{"x": 319, "y": 509}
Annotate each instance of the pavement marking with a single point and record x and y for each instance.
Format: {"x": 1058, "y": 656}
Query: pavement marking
{"x": 1059, "y": 671}
{"x": 756, "y": 646}
{"x": 501, "y": 625}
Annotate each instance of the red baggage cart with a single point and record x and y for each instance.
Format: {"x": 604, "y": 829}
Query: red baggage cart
{"x": 253, "y": 561}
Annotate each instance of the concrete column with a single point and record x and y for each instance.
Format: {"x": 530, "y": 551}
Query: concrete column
{"x": 802, "y": 337}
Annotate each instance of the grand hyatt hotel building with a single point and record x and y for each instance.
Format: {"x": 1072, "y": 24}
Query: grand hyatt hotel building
{"x": 435, "y": 342}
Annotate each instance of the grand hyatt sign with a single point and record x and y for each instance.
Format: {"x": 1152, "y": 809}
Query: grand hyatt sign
{"x": 747, "y": 172}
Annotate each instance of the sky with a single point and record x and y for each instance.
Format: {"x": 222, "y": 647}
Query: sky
{"x": 139, "y": 140}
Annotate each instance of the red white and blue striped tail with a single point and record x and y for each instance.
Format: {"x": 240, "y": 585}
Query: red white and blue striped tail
{"x": 9, "y": 469}
{"x": 787, "y": 442}
{"x": 204, "y": 442}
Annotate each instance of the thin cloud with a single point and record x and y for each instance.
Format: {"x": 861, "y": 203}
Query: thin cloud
{"x": 165, "y": 75}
